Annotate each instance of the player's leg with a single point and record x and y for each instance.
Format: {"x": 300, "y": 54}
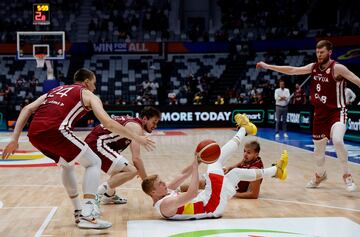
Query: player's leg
{"x": 319, "y": 155}
{"x": 337, "y": 136}
{"x": 246, "y": 127}
{"x": 120, "y": 172}
{"x": 279, "y": 170}
{"x": 69, "y": 181}
{"x": 92, "y": 163}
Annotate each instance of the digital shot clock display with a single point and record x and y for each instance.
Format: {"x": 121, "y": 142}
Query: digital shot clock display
{"x": 41, "y": 14}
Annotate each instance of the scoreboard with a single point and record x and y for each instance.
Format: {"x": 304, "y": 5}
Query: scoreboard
{"x": 41, "y": 14}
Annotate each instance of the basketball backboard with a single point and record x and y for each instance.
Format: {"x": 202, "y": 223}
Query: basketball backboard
{"x": 49, "y": 43}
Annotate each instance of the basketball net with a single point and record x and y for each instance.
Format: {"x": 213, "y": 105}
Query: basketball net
{"x": 40, "y": 60}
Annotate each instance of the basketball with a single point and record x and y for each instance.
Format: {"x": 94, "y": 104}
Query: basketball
{"x": 208, "y": 151}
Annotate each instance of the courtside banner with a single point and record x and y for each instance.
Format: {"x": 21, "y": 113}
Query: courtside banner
{"x": 353, "y": 125}
{"x": 198, "y": 116}
{"x": 122, "y": 47}
{"x": 298, "y": 118}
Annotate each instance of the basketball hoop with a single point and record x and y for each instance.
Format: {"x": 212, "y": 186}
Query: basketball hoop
{"x": 40, "y": 60}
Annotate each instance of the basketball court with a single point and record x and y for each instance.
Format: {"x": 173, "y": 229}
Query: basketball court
{"x": 35, "y": 204}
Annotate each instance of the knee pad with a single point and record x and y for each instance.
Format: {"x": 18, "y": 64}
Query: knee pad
{"x": 89, "y": 158}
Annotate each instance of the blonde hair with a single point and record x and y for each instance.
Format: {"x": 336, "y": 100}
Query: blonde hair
{"x": 147, "y": 184}
{"x": 253, "y": 145}
{"x": 324, "y": 43}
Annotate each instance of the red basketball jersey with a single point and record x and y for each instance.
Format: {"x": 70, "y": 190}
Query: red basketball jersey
{"x": 327, "y": 93}
{"x": 62, "y": 108}
{"x": 100, "y": 135}
{"x": 243, "y": 186}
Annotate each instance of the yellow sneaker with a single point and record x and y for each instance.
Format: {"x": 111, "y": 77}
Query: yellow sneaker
{"x": 243, "y": 121}
{"x": 281, "y": 172}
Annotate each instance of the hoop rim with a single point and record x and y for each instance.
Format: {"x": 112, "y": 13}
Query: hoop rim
{"x": 40, "y": 56}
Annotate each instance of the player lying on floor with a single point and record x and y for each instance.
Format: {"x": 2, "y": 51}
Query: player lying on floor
{"x": 210, "y": 202}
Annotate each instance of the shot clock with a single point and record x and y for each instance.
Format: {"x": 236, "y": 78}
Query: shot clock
{"x": 41, "y": 14}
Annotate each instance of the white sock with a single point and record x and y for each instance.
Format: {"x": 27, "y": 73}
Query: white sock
{"x": 76, "y": 203}
{"x": 337, "y": 136}
{"x": 88, "y": 207}
{"x": 268, "y": 172}
{"x": 319, "y": 154}
{"x": 103, "y": 188}
{"x": 231, "y": 146}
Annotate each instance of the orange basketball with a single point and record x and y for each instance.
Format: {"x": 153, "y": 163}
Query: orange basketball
{"x": 208, "y": 151}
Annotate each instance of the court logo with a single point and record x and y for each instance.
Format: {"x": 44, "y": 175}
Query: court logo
{"x": 239, "y": 232}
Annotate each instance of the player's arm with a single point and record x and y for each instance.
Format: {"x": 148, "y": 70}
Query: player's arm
{"x": 347, "y": 74}
{"x": 24, "y": 116}
{"x": 135, "y": 149}
{"x": 92, "y": 101}
{"x": 169, "y": 206}
{"x": 178, "y": 180}
{"x": 253, "y": 191}
{"x": 289, "y": 70}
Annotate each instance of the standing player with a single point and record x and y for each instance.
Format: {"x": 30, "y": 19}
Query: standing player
{"x": 328, "y": 98}
{"x": 108, "y": 147}
{"x": 51, "y": 131}
{"x": 212, "y": 201}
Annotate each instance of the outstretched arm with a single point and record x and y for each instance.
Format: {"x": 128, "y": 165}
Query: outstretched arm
{"x": 135, "y": 150}
{"x": 170, "y": 205}
{"x": 20, "y": 123}
{"x": 178, "y": 180}
{"x": 347, "y": 74}
{"x": 252, "y": 193}
{"x": 92, "y": 101}
{"x": 289, "y": 70}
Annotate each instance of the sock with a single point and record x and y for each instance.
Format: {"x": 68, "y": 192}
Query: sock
{"x": 268, "y": 172}
{"x": 76, "y": 202}
{"x": 88, "y": 207}
{"x": 103, "y": 188}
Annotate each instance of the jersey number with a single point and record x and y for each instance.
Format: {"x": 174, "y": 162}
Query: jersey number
{"x": 63, "y": 91}
{"x": 318, "y": 87}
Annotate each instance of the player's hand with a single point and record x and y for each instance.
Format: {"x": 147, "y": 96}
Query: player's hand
{"x": 147, "y": 143}
{"x": 226, "y": 170}
{"x": 261, "y": 64}
{"x": 197, "y": 158}
{"x": 10, "y": 149}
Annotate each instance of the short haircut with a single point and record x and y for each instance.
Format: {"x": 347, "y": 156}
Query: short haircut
{"x": 324, "y": 43}
{"x": 253, "y": 145}
{"x": 82, "y": 74}
{"x": 150, "y": 112}
{"x": 147, "y": 184}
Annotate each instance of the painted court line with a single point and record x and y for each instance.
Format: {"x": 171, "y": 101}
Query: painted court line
{"x": 46, "y": 222}
{"x": 311, "y": 204}
{"x": 32, "y": 185}
{"x": 31, "y": 207}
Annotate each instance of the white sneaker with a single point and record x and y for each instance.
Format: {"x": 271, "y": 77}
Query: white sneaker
{"x": 277, "y": 135}
{"x": 90, "y": 222}
{"x": 286, "y": 135}
{"x": 350, "y": 185}
{"x": 115, "y": 199}
{"x": 315, "y": 182}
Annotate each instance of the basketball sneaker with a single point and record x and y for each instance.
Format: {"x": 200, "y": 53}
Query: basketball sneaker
{"x": 114, "y": 199}
{"x": 315, "y": 182}
{"x": 350, "y": 185}
{"x": 281, "y": 172}
{"x": 90, "y": 221}
{"x": 243, "y": 121}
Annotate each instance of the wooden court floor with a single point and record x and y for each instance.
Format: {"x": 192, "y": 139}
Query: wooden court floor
{"x": 34, "y": 203}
